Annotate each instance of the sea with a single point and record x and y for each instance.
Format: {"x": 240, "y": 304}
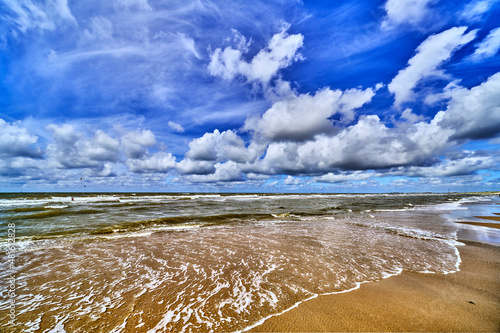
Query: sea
{"x": 198, "y": 262}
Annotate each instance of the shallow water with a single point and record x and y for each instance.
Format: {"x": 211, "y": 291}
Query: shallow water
{"x": 164, "y": 262}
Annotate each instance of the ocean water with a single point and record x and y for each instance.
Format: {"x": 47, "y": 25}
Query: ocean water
{"x": 161, "y": 262}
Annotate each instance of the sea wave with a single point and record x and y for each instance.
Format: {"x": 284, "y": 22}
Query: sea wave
{"x": 53, "y": 213}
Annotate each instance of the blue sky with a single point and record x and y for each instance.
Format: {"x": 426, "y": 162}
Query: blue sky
{"x": 266, "y": 96}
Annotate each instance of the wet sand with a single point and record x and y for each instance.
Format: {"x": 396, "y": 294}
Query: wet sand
{"x": 483, "y": 224}
{"x": 493, "y": 218}
{"x": 468, "y": 300}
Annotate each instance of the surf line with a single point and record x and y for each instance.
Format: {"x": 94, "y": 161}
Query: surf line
{"x": 358, "y": 284}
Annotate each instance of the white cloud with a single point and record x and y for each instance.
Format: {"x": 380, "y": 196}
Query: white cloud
{"x": 405, "y": 12}
{"x": 22, "y": 163}
{"x": 474, "y": 113}
{"x": 301, "y": 117}
{"x": 17, "y": 141}
{"x": 218, "y": 147}
{"x": 488, "y": 47}
{"x": 176, "y": 127}
{"x": 280, "y": 53}
{"x": 289, "y": 180}
{"x": 197, "y": 167}
{"x": 255, "y": 176}
{"x": 102, "y": 147}
{"x": 410, "y": 117}
{"x": 105, "y": 170}
{"x": 224, "y": 172}
{"x": 71, "y": 149}
{"x": 433, "y": 52}
{"x": 133, "y": 5}
{"x": 158, "y": 162}
{"x": 136, "y": 143}
{"x": 343, "y": 177}
{"x": 369, "y": 144}
{"x": 25, "y": 15}
{"x": 188, "y": 43}
{"x": 64, "y": 133}
{"x": 465, "y": 165}
{"x": 475, "y": 9}
{"x": 100, "y": 30}
{"x": 98, "y": 154}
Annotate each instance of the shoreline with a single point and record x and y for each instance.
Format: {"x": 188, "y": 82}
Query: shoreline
{"x": 467, "y": 300}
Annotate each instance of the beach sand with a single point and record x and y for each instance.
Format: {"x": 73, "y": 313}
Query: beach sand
{"x": 468, "y": 300}
{"x": 483, "y": 224}
{"x": 493, "y": 218}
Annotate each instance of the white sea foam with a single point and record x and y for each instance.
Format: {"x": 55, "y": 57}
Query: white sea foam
{"x": 59, "y": 327}
{"x": 56, "y": 206}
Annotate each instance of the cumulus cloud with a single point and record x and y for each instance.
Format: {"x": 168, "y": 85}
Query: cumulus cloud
{"x": 105, "y": 170}
{"x": 474, "y": 113}
{"x": 301, "y": 117}
{"x": 467, "y": 163}
{"x": 289, "y": 180}
{"x": 335, "y": 154}
{"x": 65, "y": 133}
{"x": 405, "y": 12}
{"x": 224, "y": 172}
{"x": 369, "y": 144}
{"x": 136, "y": 144}
{"x": 197, "y": 167}
{"x": 433, "y": 52}
{"x": 158, "y": 162}
{"x": 343, "y": 177}
{"x": 72, "y": 149}
{"x": 218, "y": 146}
{"x": 280, "y": 53}
{"x": 101, "y": 147}
{"x": 410, "y": 118}
{"x": 21, "y": 163}
{"x": 206, "y": 154}
{"x": 17, "y": 141}
{"x": 488, "y": 47}
{"x": 462, "y": 167}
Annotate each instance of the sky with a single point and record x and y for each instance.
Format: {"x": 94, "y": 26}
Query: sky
{"x": 250, "y": 96}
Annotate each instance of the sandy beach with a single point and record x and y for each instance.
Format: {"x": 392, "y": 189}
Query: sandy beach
{"x": 468, "y": 300}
